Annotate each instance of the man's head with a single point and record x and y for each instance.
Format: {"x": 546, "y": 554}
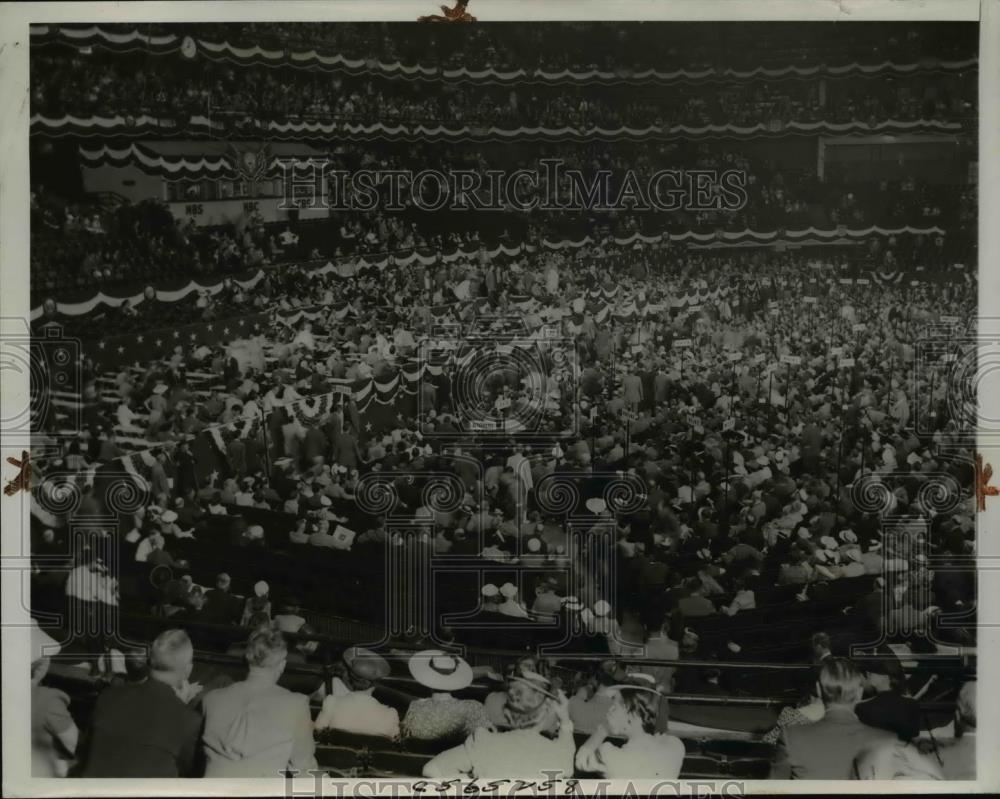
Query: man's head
{"x": 840, "y": 683}
{"x": 223, "y": 581}
{"x": 196, "y": 598}
{"x": 820, "y": 646}
{"x": 171, "y": 657}
{"x": 267, "y": 652}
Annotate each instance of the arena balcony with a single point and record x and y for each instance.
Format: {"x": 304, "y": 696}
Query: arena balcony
{"x": 646, "y": 53}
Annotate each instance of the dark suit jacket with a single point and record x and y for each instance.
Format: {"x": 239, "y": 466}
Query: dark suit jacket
{"x": 142, "y": 730}
{"x": 221, "y": 607}
{"x": 824, "y": 750}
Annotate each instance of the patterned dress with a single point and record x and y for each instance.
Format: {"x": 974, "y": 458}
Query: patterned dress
{"x": 437, "y": 719}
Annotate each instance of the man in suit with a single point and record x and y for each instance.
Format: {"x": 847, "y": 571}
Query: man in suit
{"x": 958, "y": 759}
{"x": 146, "y": 729}
{"x": 221, "y": 607}
{"x": 825, "y": 749}
{"x": 255, "y": 728}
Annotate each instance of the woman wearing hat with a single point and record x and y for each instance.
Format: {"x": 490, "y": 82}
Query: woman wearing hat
{"x": 500, "y": 705}
{"x": 350, "y": 706}
{"x": 538, "y": 745}
{"x": 645, "y": 753}
{"x": 258, "y": 605}
{"x": 442, "y": 717}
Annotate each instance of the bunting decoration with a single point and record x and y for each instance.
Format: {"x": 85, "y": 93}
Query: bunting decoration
{"x": 352, "y": 265}
{"x": 289, "y": 130}
{"x": 169, "y": 44}
{"x": 154, "y": 344}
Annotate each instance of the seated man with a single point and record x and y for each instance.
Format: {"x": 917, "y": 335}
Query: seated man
{"x": 825, "y": 749}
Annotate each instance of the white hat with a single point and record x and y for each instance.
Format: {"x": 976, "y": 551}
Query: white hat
{"x": 534, "y": 544}
{"x": 848, "y": 536}
{"x": 490, "y": 590}
{"x": 256, "y": 531}
{"x": 601, "y": 608}
{"x": 325, "y": 501}
{"x": 854, "y": 554}
{"x": 821, "y": 555}
{"x": 508, "y": 590}
{"x": 440, "y": 671}
{"x": 159, "y": 388}
{"x": 829, "y": 542}
{"x": 596, "y": 505}
{"x": 168, "y": 516}
{"x": 572, "y": 603}
{"x": 260, "y": 588}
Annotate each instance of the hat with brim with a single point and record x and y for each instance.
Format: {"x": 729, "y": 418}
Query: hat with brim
{"x": 536, "y": 682}
{"x": 596, "y": 505}
{"x": 440, "y": 671}
{"x": 159, "y": 388}
{"x": 642, "y": 682}
{"x": 848, "y": 536}
{"x": 168, "y": 516}
{"x": 571, "y": 603}
{"x": 366, "y": 664}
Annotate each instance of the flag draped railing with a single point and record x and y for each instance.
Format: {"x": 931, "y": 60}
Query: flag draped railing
{"x": 349, "y": 266}
{"x": 302, "y": 58}
{"x": 349, "y": 130}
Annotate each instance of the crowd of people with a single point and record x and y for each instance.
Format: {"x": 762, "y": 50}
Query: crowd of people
{"x": 748, "y": 465}
{"x": 663, "y": 454}
{"x": 101, "y": 244}
{"x": 152, "y": 718}
{"x": 585, "y": 46}
{"x": 89, "y": 243}
{"x": 131, "y": 85}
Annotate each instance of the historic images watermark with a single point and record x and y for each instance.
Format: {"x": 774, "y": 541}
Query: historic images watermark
{"x": 316, "y": 183}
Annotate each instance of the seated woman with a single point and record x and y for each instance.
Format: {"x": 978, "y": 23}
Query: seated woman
{"x": 539, "y": 744}
{"x": 442, "y": 717}
{"x": 499, "y": 703}
{"x": 351, "y": 707}
{"x": 645, "y": 753}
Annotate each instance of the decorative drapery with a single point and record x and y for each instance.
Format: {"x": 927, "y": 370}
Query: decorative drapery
{"x": 165, "y": 44}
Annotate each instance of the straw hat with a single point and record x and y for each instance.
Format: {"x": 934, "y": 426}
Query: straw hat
{"x": 440, "y": 671}
{"x": 571, "y": 603}
{"x": 490, "y": 590}
{"x": 596, "y": 505}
